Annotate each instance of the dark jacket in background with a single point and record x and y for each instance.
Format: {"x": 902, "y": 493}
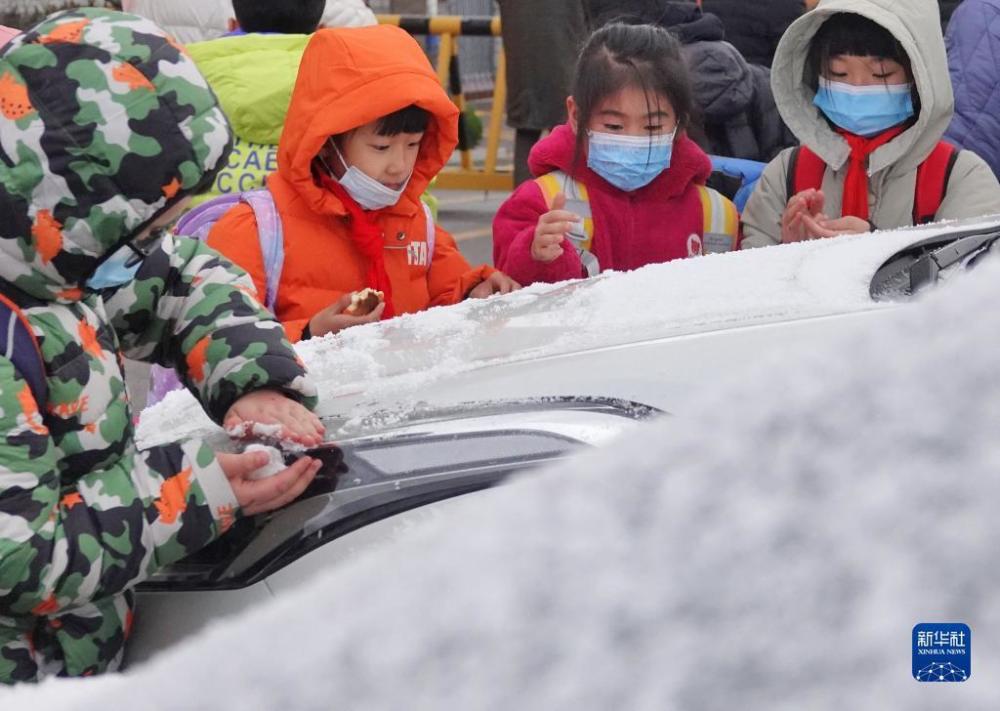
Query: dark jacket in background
{"x": 681, "y": 15}
{"x": 947, "y": 7}
{"x": 973, "y": 43}
{"x": 755, "y": 26}
{"x": 542, "y": 39}
{"x": 739, "y": 116}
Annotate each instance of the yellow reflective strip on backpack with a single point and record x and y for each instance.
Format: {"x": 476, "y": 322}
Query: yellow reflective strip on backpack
{"x": 732, "y": 219}
{"x": 551, "y": 186}
{"x": 706, "y": 209}
{"x": 557, "y": 182}
{"x": 720, "y": 221}
{"x": 577, "y": 200}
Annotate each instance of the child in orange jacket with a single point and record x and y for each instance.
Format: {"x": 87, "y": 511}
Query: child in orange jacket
{"x": 368, "y": 128}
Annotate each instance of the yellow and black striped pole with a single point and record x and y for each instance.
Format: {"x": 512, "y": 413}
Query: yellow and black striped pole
{"x": 449, "y": 28}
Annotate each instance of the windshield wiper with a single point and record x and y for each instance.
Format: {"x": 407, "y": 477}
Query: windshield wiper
{"x": 921, "y": 264}
{"x": 926, "y": 270}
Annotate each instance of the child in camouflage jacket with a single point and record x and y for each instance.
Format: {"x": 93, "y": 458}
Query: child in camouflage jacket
{"x": 106, "y": 129}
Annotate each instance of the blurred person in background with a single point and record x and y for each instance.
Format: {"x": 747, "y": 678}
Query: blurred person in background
{"x": 347, "y": 13}
{"x": 199, "y": 20}
{"x": 185, "y": 20}
{"x": 754, "y": 27}
{"x": 973, "y": 43}
{"x": 541, "y": 40}
{"x": 947, "y": 8}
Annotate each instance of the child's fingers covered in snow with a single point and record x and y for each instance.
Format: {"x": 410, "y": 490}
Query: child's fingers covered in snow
{"x": 269, "y": 407}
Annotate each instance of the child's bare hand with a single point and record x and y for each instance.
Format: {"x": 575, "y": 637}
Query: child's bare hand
{"x": 808, "y": 203}
{"x": 332, "y": 319}
{"x": 551, "y": 231}
{"x": 260, "y": 495}
{"x": 495, "y": 283}
{"x": 269, "y": 407}
{"x": 823, "y": 227}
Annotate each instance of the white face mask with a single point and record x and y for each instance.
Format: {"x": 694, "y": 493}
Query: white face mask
{"x": 366, "y": 191}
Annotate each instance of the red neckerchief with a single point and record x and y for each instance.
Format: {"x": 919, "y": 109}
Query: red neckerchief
{"x": 367, "y": 236}
{"x": 856, "y": 182}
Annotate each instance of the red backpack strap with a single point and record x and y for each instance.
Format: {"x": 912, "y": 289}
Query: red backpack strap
{"x": 805, "y": 172}
{"x": 932, "y": 182}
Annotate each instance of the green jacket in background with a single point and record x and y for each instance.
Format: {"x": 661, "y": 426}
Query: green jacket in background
{"x": 253, "y": 76}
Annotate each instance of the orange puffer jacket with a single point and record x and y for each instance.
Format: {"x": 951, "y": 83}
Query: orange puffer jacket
{"x": 350, "y": 77}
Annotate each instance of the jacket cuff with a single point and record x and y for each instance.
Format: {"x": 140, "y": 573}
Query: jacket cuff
{"x": 214, "y": 484}
{"x": 525, "y": 269}
{"x": 268, "y": 372}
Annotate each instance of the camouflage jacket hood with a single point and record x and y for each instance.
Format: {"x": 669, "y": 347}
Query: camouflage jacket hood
{"x": 102, "y": 147}
{"x": 104, "y": 124}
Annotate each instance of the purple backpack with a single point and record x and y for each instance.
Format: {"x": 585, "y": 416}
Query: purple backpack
{"x": 197, "y": 224}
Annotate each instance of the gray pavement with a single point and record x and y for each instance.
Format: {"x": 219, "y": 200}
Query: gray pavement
{"x": 468, "y": 216}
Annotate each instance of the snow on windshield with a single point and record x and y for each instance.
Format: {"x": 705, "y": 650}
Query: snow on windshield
{"x": 367, "y": 368}
{"x": 773, "y": 548}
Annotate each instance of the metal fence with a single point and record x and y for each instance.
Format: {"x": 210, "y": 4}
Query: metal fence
{"x": 479, "y": 54}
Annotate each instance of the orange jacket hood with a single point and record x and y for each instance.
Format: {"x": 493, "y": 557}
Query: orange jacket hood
{"x": 350, "y": 77}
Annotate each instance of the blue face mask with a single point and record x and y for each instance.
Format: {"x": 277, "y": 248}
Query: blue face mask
{"x": 123, "y": 264}
{"x": 864, "y": 110}
{"x": 120, "y": 268}
{"x": 628, "y": 162}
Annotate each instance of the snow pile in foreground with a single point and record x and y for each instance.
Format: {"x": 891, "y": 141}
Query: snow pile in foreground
{"x": 773, "y": 550}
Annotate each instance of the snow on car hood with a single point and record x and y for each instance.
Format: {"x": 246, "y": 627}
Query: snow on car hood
{"x": 772, "y": 549}
{"x": 371, "y": 367}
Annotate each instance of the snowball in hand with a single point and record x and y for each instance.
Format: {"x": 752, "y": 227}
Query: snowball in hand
{"x": 275, "y": 463}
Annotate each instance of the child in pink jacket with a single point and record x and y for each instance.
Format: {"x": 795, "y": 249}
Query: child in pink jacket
{"x": 620, "y": 185}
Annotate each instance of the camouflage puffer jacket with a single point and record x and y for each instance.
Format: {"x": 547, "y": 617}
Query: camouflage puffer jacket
{"x": 105, "y": 124}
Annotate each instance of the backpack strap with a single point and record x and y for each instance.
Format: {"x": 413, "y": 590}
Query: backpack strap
{"x": 198, "y": 222}
{"x": 272, "y": 240}
{"x": 932, "y": 182}
{"x": 805, "y": 172}
{"x": 19, "y": 345}
{"x": 577, "y": 201}
{"x": 720, "y": 222}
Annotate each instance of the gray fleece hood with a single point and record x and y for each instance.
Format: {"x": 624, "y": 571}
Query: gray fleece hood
{"x": 916, "y": 25}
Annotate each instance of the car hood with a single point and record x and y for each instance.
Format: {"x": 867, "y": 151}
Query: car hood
{"x": 410, "y": 359}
